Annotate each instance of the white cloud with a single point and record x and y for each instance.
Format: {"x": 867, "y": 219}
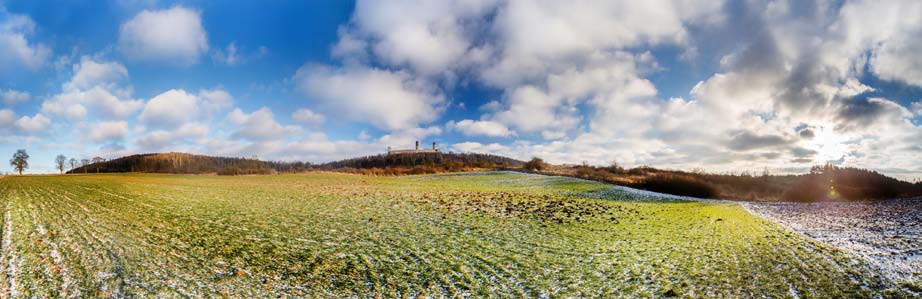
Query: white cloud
{"x": 7, "y": 117}
{"x": 917, "y": 107}
{"x": 532, "y": 109}
{"x": 170, "y": 109}
{"x": 15, "y": 48}
{"x": 164, "y": 139}
{"x": 90, "y": 73}
{"x": 306, "y": 116}
{"x": 260, "y": 125}
{"x": 317, "y": 147}
{"x": 11, "y": 97}
{"x": 216, "y": 99}
{"x": 74, "y": 104}
{"x": 33, "y": 124}
{"x": 889, "y": 31}
{"x": 426, "y": 36}
{"x": 540, "y": 37}
{"x": 476, "y": 147}
{"x": 107, "y": 131}
{"x": 481, "y": 128}
{"x": 228, "y": 56}
{"x": 93, "y": 87}
{"x": 385, "y": 99}
{"x": 174, "y": 35}
{"x": 407, "y": 137}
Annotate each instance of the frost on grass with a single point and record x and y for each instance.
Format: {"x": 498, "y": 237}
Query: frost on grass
{"x": 886, "y": 233}
{"x": 495, "y": 234}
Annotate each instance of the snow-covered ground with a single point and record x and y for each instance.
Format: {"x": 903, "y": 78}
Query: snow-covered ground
{"x": 886, "y": 233}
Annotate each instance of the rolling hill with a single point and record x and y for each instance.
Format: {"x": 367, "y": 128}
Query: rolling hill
{"x": 823, "y": 183}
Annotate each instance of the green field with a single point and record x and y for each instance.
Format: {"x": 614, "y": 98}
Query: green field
{"x": 334, "y": 235}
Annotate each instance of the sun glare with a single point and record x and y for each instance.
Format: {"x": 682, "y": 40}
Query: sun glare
{"x": 828, "y": 145}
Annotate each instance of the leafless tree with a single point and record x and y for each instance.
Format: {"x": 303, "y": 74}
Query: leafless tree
{"x": 96, "y": 161}
{"x": 20, "y": 161}
{"x": 61, "y": 162}
{"x": 83, "y": 163}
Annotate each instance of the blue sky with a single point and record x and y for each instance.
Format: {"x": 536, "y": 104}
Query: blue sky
{"x": 722, "y": 86}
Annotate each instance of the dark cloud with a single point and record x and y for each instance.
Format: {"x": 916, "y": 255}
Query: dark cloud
{"x": 807, "y": 133}
{"x": 743, "y": 141}
{"x": 863, "y": 111}
{"x": 802, "y": 160}
{"x": 801, "y": 152}
{"x": 771, "y": 155}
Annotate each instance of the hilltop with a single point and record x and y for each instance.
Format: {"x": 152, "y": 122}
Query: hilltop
{"x": 185, "y": 163}
{"x": 383, "y": 164}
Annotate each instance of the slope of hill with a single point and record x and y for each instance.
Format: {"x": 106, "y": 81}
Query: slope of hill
{"x": 449, "y": 159}
{"x": 823, "y": 183}
{"x": 396, "y": 164}
{"x": 188, "y": 164}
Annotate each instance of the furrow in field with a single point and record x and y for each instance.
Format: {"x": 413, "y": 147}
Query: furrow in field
{"x": 141, "y": 274}
{"x": 9, "y": 258}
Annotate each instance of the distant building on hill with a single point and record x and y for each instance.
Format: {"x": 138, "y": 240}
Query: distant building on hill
{"x": 434, "y": 150}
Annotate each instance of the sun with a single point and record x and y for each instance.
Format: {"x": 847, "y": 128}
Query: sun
{"x": 828, "y": 145}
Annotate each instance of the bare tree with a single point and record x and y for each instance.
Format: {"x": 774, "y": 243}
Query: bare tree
{"x": 20, "y": 161}
{"x": 96, "y": 161}
{"x": 61, "y": 162}
{"x": 83, "y": 163}
{"x": 73, "y": 163}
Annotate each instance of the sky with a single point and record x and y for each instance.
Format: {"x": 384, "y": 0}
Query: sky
{"x": 721, "y": 86}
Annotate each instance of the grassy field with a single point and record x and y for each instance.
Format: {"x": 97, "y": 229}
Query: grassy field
{"x": 335, "y": 235}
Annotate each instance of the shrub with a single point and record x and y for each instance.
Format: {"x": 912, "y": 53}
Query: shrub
{"x": 229, "y": 171}
{"x": 678, "y": 185}
{"x": 535, "y": 164}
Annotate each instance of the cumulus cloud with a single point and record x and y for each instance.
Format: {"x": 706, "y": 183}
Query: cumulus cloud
{"x": 426, "y": 36}
{"x": 260, "y": 125}
{"x": 16, "y": 50}
{"x": 480, "y": 128}
{"x": 213, "y": 100}
{"x": 576, "y": 73}
{"x": 176, "y": 107}
{"x": 9, "y": 123}
{"x": 11, "y": 97}
{"x": 7, "y": 117}
{"x": 307, "y": 116}
{"x": 477, "y": 147}
{"x": 890, "y": 32}
{"x": 107, "y": 131}
{"x": 174, "y": 35}
{"x": 90, "y": 73}
{"x": 170, "y": 109}
{"x": 75, "y": 104}
{"x": 33, "y": 124}
{"x": 319, "y": 148}
{"x": 386, "y": 99}
{"x": 94, "y": 87}
{"x": 183, "y": 136}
